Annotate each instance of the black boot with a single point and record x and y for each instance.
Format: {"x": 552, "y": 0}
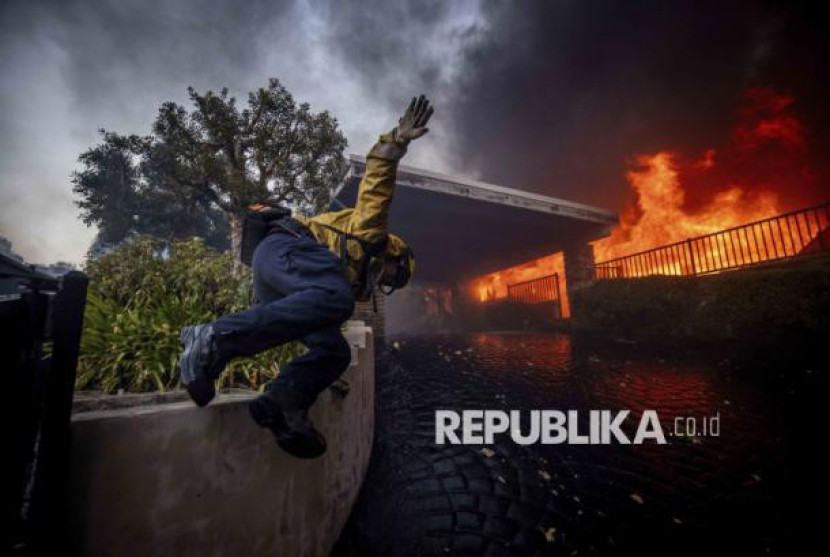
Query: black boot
{"x": 286, "y": 416}
{"x": 201, "y": 362}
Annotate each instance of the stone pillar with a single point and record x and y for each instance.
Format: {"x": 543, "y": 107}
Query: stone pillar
{"x": 579, "y": 271}
{"x": 579, "y": 263}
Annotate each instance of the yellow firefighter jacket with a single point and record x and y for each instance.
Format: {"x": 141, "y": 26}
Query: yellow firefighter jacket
{"x": 369, "y": 219}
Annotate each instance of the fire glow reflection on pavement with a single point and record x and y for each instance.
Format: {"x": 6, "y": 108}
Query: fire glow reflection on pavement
{"x": 691, "y": 495}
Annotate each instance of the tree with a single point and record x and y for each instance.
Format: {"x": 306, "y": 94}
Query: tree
{"x": 120, "y": 201}
{"x": 108, "y": 186}
{"x": 217, "y": 157}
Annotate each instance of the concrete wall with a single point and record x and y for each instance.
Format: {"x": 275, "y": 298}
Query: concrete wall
{"x": 173, "y": 479}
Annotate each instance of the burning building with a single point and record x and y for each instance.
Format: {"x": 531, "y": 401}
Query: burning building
{"x": 481, "y": 246}
{"x": 464, "y": 232}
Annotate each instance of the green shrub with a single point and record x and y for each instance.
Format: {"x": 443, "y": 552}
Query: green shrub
{"x": 139, "y": 298}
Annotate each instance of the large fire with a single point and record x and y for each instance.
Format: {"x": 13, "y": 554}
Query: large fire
{"x": 739, "y": 183}
{"x": 762, "y": 170}
{"x": 659, "y": 216}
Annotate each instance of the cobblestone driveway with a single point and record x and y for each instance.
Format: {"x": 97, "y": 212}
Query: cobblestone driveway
{"x": 724, "y": 495}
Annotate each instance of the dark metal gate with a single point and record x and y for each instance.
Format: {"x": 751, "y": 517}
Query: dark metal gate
{"x": 41, "y": 318}
{"x": 542, "y": 290}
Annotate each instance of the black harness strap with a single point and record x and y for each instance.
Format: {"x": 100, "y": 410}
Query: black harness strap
{"x": 370, "y": 250}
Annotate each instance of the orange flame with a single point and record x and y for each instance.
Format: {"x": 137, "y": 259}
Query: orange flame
{"x": 659, "y": 217}
{"x": 494, "y": 286}
{"x": 744, "y": 181}
{"x": 764, "y": 163}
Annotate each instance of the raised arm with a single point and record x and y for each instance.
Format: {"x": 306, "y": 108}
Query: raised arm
{"x": 374, "y": 196}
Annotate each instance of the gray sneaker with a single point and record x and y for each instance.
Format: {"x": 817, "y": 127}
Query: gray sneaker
{"x": 200, "y": 363}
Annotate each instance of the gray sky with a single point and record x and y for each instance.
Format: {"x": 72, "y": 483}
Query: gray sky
{"x": 554, "y": 96}
{"x": 71, "y": 67}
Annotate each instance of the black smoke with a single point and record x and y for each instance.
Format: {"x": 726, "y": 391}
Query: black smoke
{"x": 560, "y": 95}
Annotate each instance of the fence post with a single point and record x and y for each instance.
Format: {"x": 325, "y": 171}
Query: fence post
{"x": 558, "y": 298}
{"x": 49, "y": 496}
{"x": 688, "y": 245}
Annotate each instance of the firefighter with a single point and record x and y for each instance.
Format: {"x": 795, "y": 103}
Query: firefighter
{"x": 307, "y": 274}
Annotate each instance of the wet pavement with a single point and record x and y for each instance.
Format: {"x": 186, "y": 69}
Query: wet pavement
{"x": 749, "y": 491}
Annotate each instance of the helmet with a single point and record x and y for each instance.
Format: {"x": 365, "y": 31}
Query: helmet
{"x": 397, "y": 250}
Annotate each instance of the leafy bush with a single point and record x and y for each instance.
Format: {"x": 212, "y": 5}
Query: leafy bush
{"x": 141, "y": 295}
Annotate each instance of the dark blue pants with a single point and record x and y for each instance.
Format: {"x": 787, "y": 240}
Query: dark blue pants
{"x": 302, "y": 294}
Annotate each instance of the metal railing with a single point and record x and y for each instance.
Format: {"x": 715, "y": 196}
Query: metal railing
{"x": 542, "y": 290}
{"x": 785, "y": 236}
